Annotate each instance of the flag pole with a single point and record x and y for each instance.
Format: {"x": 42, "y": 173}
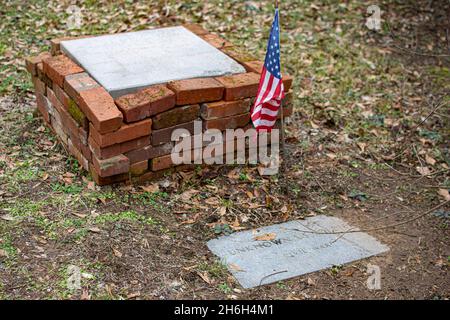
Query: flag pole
{"x": 281, "y": 109}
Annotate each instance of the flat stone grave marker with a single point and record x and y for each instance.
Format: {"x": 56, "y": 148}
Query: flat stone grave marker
{"x": 123, "y": 63}
{"x": 283, "y": 252}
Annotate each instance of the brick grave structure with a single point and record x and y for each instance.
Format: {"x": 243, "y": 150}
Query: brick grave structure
{"x": 123, "y": 132}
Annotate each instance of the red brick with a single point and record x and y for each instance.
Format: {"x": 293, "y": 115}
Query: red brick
{"x": 58, "y": 67}
{"x": 119, "y": 148}
{"x": 99, "y": 108}
{"x": 232, "y": 122}
{"x": 239, "y": 86}
{"x": 32, "y": 62}
{"x": 149, "y": 152}
{"x": 39, "y": 86}
{"x": 61, "y": 95}
{"x": 40, "y": 72}
{"x": 216, "y": 41}
{"x": 146, "y": 103}
{"x": 287, "y": 81}
{"x": 42, "y": 105}
{"x": 70, "y": 126}
{"x": 84, "y": 135}
{"x": 102, "y": 181}
{"x": 287, "y": 111}
{"x": 221, "y": 109}
{"x": 165, "y": 135}
{"x": 76, "y": 83}
{"x": 78, "y": 155}
{"x": 112, "y": 166}
{"x": 126, "y": 133}
{"x": 238, "y": 54}
{"x": 254, "y": 66}
{"x": 196, "y": 90}
{"x": 161, "y": 163}
{"x": 138, "y": 168}
{"x": 58, "y": 128}
{"x": 176, "y": 116}
{"x": 195, "y": 28}
{"x": 287, "y": 98}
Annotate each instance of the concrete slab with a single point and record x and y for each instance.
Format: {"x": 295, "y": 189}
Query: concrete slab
{"x": 292, "y": 252}
{"x": 123, "y": 63}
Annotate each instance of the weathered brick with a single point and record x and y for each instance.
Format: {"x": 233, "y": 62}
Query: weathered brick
{"x": 288, "y": 98}
{"x": 239, "y": 86}
{"x": 149, "y": 152}
{"x": 42, "y": 104}
{"x": 126, "y": 133}
{"x": 138, "y": 168}
{"x": 221, "y": 109}
{"x": 69, "y": 125}
{"x": 176, "y": 116}
{"x": 58, "y": 67}
{"x": 161, "y": 163}
{"x": 84, "y": 135}
{"x": 231, "y": 122}
{"x": 146, "y": 103}
{"x": 61, "y": 95}
{"x": 78, "y": 155}
{"x": 32, "y": 62}
{"x": 195, "y": 28}
{"x": 287, "y": 111}
{"x": 191, "y": 91}
{"x": 41, "y": 75}
{"x": 255, "y": 66}
{"x": 238, "y": 54}
{"x": 165, "y": 135}
{"x": 287, "y": 81}
{"x": 58, "y": 128}
{"x": 112, "y": 166}
{"x": 99, "y": 108}
{"x": 78, "y": 115}
{"x": 101, "y": 181}
{"x": 119, "y": 148}
{"x": 39, "y": 86}
{"x": 216, "y": 41}
{"x": 74, "y": 84}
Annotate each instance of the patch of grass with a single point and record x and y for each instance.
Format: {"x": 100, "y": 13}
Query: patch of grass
{"x": 225, "y": 288}
{"x": 216, "y": 269}
{"x": 129, "y": 215}
{"x": 67, "y": 188}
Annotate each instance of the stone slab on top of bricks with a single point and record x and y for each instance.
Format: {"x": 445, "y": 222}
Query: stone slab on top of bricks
{"x": 123, "y": 63}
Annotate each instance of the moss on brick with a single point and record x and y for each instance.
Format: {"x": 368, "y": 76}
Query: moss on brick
{"x": 76, "y": 113}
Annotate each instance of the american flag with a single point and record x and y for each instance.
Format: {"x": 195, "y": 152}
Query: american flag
{"x": 271, "y": 90}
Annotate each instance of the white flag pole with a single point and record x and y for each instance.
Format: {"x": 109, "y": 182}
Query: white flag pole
{"x": 281, "y": 103}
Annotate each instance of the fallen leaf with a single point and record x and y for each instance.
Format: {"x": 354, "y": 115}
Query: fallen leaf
{"x": 85, "y": 295}
{"x": 79, "y": 215}
{"x": 154, "y": 187}
{"x": 3, "y": 253}
{"x": 187, "y": 195}
{"x": 117, "y": 253}
{"x": 430, "y": 160}
{"x": 204, "y": 276}
{"x": 94, "y": 229}
{"x": 7, "y": 217}
{"x": 133, "y": 295}
{"x": 223, "y": 211}
{"x": 444, "y": 193}
{"x": 266, "y": 237}
{"x": 234, "y": 267}
{"x": 424, "y": 171}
